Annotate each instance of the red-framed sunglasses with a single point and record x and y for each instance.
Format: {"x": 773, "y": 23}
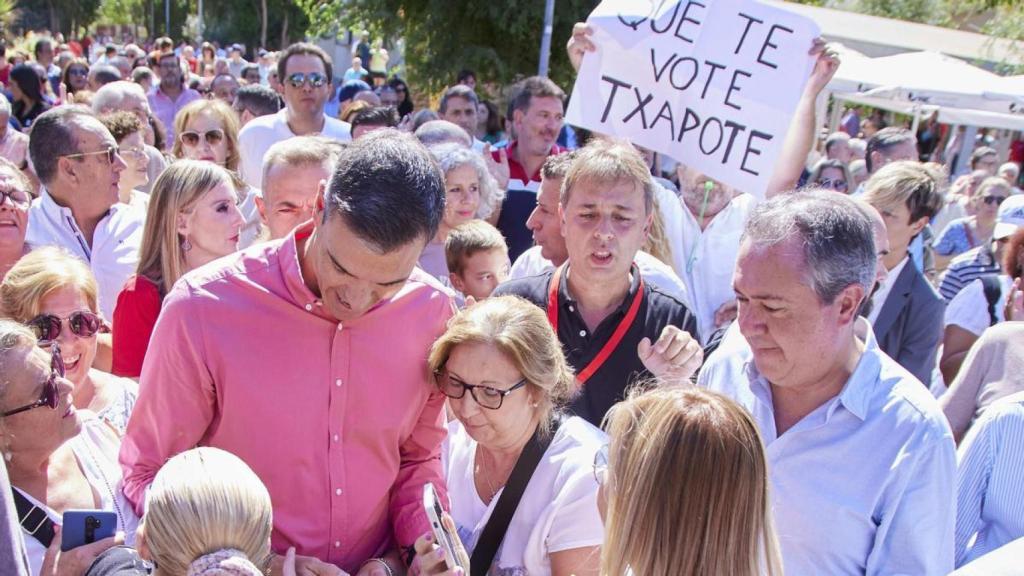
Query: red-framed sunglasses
{"x": 50, "y": 397}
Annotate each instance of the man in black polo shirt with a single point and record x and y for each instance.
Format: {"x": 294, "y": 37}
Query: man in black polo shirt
{"x": 615, "y": 328}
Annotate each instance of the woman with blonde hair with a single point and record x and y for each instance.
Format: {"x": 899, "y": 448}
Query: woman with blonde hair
{"x": 470, "y": 193}
{"x": 208, "y": 130}
{"x": 206, "y": 513}
{"x": 685, "y": 488}
{"x": 55, "y": 294}
{"x": 193, "y": 218}
{"x": 505, "y": 375}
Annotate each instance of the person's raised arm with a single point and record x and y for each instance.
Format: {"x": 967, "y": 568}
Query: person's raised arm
{"x": 177, "y": 400}
{"x": 800, "y": 136}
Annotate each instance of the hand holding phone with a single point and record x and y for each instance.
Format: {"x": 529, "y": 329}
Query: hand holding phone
{"x": 444, "y": 532}
{"x": 81, "y": 527}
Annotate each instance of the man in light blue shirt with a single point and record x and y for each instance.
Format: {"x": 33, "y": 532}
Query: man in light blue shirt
{"x": 861, "y": 459}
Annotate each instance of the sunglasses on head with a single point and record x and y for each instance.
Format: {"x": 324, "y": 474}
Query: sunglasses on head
{"x": 315, "y": 79}
{"x": 50, "y": 397}
{"x": 212, "y": 137}
{"x": 996, "y": 200}
{"x": 48, "y": 327}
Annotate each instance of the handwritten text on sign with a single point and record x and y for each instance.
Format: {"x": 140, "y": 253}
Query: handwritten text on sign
{"x": 711, "y": 83}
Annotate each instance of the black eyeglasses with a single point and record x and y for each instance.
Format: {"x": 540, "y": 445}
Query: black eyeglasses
{"x": 48, "y": 327}
{"x": 50, "y": 397}
{"x": 212, "y": 137}
{"x": 78, "y": 72}
{"x": 997, "y": 200}
{"x": 17, "y": 197}
{"x": 112, "y": 152}
{"x": 315, "y": 79}
{"x": 488, "y": 397}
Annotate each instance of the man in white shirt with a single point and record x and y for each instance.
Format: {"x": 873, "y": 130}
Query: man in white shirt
{"x": 77, "y": 161}
{"x": 861, "y": 460}
{"x": 551, "y": 251}
{"x": 305, "y": 72}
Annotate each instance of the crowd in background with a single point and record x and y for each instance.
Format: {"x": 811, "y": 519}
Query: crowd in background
{"x": 252, "y": 308}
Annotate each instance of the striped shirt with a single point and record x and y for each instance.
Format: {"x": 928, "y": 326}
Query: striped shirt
{"x": 990, "y": 472}
{"x": 967, "y": 268}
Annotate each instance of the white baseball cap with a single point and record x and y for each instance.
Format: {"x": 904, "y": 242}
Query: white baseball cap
{"x": 1010, "y": 218}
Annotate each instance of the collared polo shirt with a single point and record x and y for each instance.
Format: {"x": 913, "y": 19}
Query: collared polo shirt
{"x": 624, "y": 367}
{"x": 520, "y": 200}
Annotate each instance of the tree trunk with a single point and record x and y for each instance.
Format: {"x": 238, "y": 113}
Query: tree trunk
{"x": 284, "y": 31}
{"x": 54, "y": 19}
{"x": 263, "y": 23}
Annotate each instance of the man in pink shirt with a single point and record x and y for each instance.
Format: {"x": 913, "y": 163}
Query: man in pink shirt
{"x": 306, "y": 357}
{"x": 171, "y": 95}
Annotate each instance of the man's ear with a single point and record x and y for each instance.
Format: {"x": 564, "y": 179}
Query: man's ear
{"x": 319, "y": 204}
{"x": 919, "y": 224}
{"x": 457, "y": 283}
{"x": 262, "y": 209}
{"x": 849, "y": 301}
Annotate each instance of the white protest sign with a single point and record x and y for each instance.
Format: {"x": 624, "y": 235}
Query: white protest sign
{"x": 710, "y": 83}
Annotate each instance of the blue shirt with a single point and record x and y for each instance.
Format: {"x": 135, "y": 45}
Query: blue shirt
{"x": 957, "y": 238}
{"x": 864, "y": 483}
{"x": 990, "y": 502}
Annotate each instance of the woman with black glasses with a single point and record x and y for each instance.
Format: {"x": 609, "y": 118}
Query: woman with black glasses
{"x": 55, "y": 295}
{"x": 57, "y": 458}
{"x": 505, "y": 376}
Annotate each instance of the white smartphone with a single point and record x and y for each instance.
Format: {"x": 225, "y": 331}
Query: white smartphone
{"x": 442, "y": 535}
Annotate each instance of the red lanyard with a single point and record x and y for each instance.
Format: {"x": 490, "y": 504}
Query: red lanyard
{"x": 620, "y": 331}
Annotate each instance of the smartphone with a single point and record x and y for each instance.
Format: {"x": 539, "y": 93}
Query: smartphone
{"x": 81, "y": 527}
{"x": 442, "y": 536}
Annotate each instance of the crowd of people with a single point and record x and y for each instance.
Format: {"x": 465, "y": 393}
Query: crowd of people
{"x": 252, "y": 309}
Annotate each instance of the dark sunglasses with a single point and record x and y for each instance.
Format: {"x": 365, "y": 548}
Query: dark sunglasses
{"x": 78, "y": 71}
{"x": 212, "y": 137}
{"x": 48, "y": 327}
{"x": 315, "y": 79}
{"x": 111, "y": 152}
{"x": 831, "y": 184}
{"x": 485, "y": 396}
{"x": 996, "y": 200}
{"x": 50, "y": 398}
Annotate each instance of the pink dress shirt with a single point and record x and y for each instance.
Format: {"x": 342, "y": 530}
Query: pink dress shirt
{"x": 341, "y": 422}
{"x": 166, "y": 109}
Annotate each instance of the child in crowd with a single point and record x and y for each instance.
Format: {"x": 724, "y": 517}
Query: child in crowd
{"x": 477, "y": 258}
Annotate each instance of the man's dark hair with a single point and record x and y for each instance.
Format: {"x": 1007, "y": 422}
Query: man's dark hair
{"x": 835, "y": 138}
{"x": 39, "y": 46}
{"x": 53, "y": 136}
{"x": 304, "y": 48}
{"x": 375, "y": 116}
{"x": 163, "y": 43}
{"x": 465, "y": 74}
{"x": 388, "y": 189}
{"x": 249, "y": 68}
{"x": 457, "y": 91}
{"x": 257, "y": 99}
{"x": 104, "y": 73}
{"x": 883, "y": 140}
{"x": 533, "y": 87}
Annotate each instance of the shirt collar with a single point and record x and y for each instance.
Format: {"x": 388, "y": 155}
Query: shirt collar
{"x": 565, "y": 298}
{"x": 54, "y": 210}
{"x": 288, "y": 256}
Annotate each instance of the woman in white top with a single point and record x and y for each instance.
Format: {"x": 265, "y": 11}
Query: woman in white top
{"x": 470, "y": 192}
{"x": 968, "y": 313}
{"x": 503, "y": 370}
{"x": 55, "y": 294}
{"x": 57, "y": 457}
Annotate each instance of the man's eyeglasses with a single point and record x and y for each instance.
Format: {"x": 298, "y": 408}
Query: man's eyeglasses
{"x": 212, "y": 137}
{"x": 47, "y": 327}
{"x": 996, "y": 200}
{"x": 315, "y": 79}
{"x": 112, "y": 153}
{"x": 485, "y": 396}
{"x": 18, "y": 198}
{"x": 50, "y": 397}
{"x": 601, "y": 465}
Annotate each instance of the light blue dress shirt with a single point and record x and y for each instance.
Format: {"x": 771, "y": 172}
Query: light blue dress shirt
{"x": 990, "y": 476}
{"x": 864, "y": 484}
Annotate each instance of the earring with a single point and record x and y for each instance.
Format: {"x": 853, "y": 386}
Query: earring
{"x": 186, "y": 245}
{"x": 8, "y": 456}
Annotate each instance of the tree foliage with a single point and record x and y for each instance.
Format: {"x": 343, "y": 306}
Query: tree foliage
{"x": 500, "y": 41}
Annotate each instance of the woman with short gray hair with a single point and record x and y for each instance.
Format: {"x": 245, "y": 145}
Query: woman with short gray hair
{"x": 470, "y": 193}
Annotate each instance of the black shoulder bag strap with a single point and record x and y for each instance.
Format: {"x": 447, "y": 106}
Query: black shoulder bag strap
{"x": 990, "y": 282}
{"x": 494, "y": 532}
{"x": 33, "y": 519}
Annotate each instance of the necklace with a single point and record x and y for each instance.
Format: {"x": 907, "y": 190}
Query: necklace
{"x": 106, "y": 482}
{"x": 492, "y": 491}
